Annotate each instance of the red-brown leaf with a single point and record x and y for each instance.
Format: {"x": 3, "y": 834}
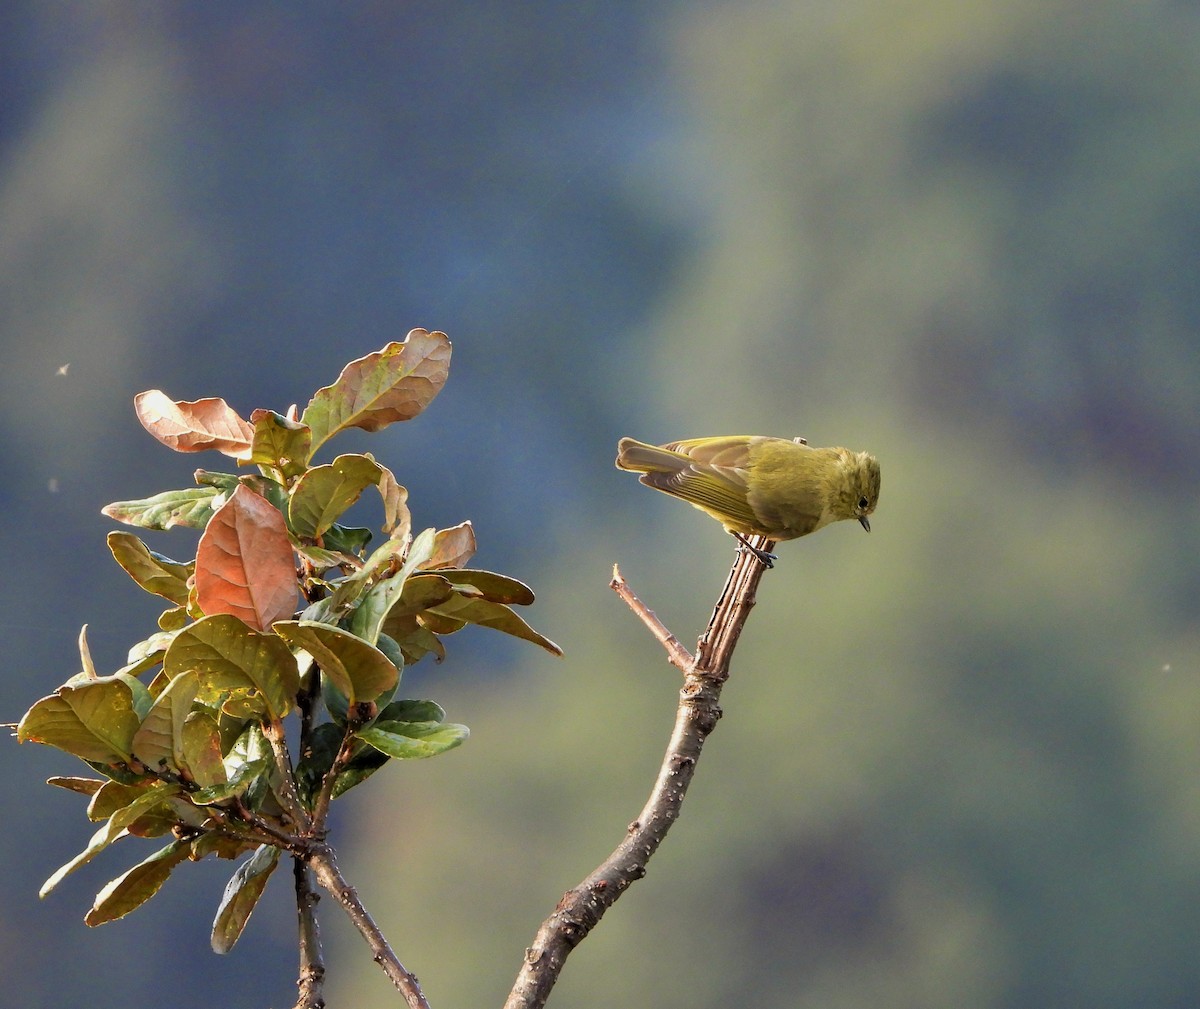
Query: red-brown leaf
{"x": 194, "y": 426}
{"x": 244, "y": 562}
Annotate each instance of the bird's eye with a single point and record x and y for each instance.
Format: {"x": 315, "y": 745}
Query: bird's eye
{"x": 863, "y": 502}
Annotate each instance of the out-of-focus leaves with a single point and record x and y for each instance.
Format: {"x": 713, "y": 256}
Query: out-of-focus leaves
{"x": 244, "y": 563}
{"x": 152, "y": 571}
{"x": 229, "y": 657}
{"x": 138, "y": 885}
{"x": 452, "y": 547}
{"x": 397, "y": 522}
{"x": 367, "y": 619}
{"x": 241, "y": 896}
{"x": 93, "y": 719}
{"x": 413, "y": 740}
{"x": 322, "y": 494}
{"x": 280, "y": 443}
{"x": 191, "y": 507}
{"x": 158, "y": 741}
{"x": 116, "y": 825}
{"x": 393, "y": 384}
{"x": 358, "y": 669}
{"x": 194, "y": 426}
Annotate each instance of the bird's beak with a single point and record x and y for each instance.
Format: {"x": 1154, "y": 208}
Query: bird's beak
{"x": 862, "y": 520}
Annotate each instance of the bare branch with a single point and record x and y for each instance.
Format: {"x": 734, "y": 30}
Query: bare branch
{"x": 311, "y": 981}
{"x": 678, "y": 656}
{"x": 582, "y": 907}
{"x": 322, "y": 863}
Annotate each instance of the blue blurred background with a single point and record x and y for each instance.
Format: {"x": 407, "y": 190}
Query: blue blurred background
{"x": 958, "y": 764}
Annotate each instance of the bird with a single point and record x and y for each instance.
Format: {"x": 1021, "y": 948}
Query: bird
{"x": 756, "y": 485}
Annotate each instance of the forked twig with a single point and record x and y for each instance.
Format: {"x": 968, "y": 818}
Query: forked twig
{"x": 582, "y": 907}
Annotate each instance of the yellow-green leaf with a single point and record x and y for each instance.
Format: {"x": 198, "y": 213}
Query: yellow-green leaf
{"x": 157, "y": 742}
{"x": 280, "y": 443}
{"x": 321, "y": 496}
{"x": 231, "y": 658}
{"x": 133, "y": 888}
{"x": 152, "y": 571}
{"x": 357, "y": 668}
{"x": 94, "y": 720}
{"x": 241, "y": 896}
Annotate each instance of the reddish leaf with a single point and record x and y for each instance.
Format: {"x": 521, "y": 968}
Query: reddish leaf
{"x": 452, "y": 547}
{"x": 194, "y": 426}
{"x": 392, "y": 384}
{"x": 244, "y": 562}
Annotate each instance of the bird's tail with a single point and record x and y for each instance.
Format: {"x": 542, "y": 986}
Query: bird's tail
{"x": 642, "y": 458}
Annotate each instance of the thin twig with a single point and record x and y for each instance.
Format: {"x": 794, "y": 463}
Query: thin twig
{"x": 311, "y": 982}
{"x": 677, "y": 655}
{"x": 581, "y": 908}
{"x": 325, "y": 869}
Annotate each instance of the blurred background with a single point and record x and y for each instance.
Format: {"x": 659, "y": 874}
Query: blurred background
{"x": 958, "y": 763}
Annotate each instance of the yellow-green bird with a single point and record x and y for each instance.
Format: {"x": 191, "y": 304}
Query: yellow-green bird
{"x": 759, "y": 486}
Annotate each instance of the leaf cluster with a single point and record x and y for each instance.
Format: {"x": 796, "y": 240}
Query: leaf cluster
{"x": 282, "y": 611}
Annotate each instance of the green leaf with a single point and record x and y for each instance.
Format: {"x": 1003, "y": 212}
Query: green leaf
{"x": 323, "y": 746}
{"x": 152, "y": 571}
{"x": 200, "y": 746}
{"x": 347, "y": 590}
{"x": 192, "y": 507}
{"x": 393, "y": 384}
{"x": 322, "y": 494}
{"x": 412, "y": 740}
{"x": 94, "y": 720}
{"x": 420, "y": 592}
{"x": 132, "y": 889}
{"x": 158, "y": 741}
{"x": 358, "y": 669}
{"x": 351, "y": 540}
{"x": 231, "y": 658}
{"x": 111, "y": 831}
{"x": 365, "y": 762}
{"x": 282, "y": 444}
{"x": 410, "y": 710}
{"x": 491, "y": 586}
{"x": 113, "y": 796}
{"x": 414, "y": 640}
{"x": 174, "y": 619}
{"x": 367, "y": 618}
{"x": 475, "y": 610}
{"x": 241, "y": 896}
